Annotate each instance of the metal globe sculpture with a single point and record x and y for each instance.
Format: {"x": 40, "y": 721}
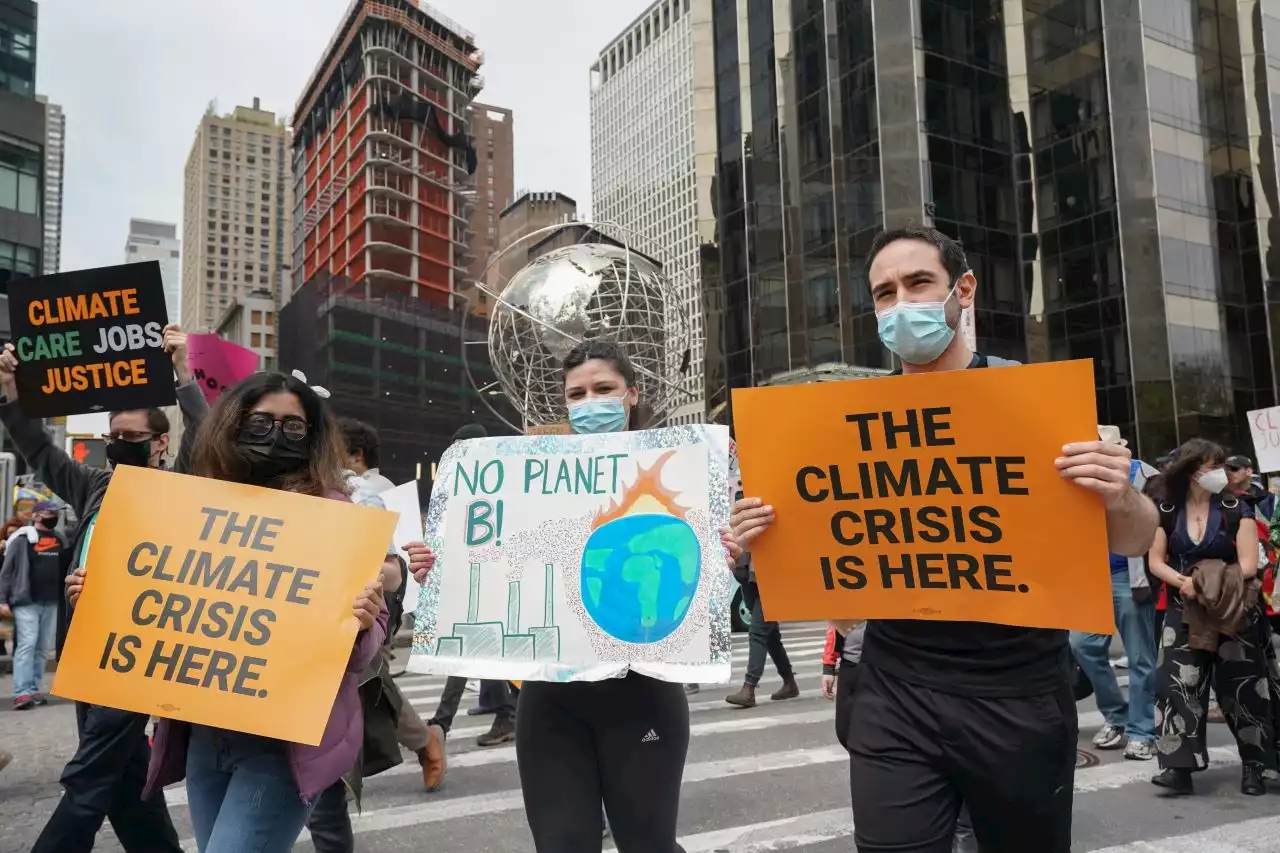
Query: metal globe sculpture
{"x": 580, "y": 292}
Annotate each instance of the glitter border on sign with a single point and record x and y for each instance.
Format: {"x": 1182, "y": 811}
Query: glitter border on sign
{"x": 715, "y": 588}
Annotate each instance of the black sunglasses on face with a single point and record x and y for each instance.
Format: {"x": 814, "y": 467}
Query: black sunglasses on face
{"x": 260, "y": 425}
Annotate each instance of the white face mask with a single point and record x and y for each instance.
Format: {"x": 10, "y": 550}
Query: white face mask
{"x": 1214, "y": 481}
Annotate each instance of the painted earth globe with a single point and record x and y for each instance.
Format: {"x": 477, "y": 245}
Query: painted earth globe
{"x": 639, "y": 576}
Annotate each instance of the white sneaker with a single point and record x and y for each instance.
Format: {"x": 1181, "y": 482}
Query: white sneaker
{"x": 1140, "y": 750}
{"x": 1109, "y": 737}
{"x": 1120, "y": 663}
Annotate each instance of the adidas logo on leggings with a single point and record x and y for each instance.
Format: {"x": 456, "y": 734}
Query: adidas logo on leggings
{"x": 650, "y": 737}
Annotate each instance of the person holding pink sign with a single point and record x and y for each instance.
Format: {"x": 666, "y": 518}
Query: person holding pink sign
{"x": 218, "y": 365}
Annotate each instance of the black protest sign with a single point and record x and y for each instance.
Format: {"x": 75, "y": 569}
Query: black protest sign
{"x": 91, "y": 341}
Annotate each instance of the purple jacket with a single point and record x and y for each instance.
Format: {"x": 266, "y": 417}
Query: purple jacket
{"x": 314, "y": 767}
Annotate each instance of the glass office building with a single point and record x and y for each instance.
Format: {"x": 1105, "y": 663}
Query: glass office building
{"x": 1108, "y": 166}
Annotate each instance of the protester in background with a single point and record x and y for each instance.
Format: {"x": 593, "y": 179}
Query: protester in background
{"x": 1240, "y": 483}
{"x": 13, "y": 524}
{"x": 361, "y": 442}
{"x": 105, "y": 777}
{"x": 36, "y": 561}
{"x": 764, "y": 636}
{"x": 1206, "y": 551}
{"x": 248, "y": 792}
{"x": 363, "y": 455}
{"x": 1127, "y": 724}
{"x": 953, "y": 713}
{"x": 621, "y": 741}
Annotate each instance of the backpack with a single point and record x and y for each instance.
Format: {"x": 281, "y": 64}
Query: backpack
{"x": 1231, "y": 516}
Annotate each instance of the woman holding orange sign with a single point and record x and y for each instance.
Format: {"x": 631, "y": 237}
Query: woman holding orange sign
{"x": 248, "y": 792}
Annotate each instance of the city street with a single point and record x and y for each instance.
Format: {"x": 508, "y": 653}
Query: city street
{"x": 769, "y": 778}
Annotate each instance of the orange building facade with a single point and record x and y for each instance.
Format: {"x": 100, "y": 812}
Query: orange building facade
{"x": 382, "y": 188}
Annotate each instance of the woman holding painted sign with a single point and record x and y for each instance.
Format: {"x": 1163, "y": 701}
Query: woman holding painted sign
{"x": 249, "y": 792}
{"x": 1215, "y": 631}
{"x": 621, "y": 741}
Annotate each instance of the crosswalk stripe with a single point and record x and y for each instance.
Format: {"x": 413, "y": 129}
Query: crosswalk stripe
{"x": 1248, "y": 836}
{"x": 771, "y": 835}
{"x": 1258, "y": 835}
{"x": 429, "y": 695}
{"x": 1103, "y": 777}
{"x": 177, "y": 796}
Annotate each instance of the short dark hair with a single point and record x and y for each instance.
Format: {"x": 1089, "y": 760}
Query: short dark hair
{"x": 360, "y": 436}
{"x": 604, "y": 350}
{"x": 467, "y": 431}
{"x": 157, "y": 420}
{"x": 953, "y": 258}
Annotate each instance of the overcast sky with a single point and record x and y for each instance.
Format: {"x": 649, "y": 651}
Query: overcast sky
{"x": 135, "y": 77}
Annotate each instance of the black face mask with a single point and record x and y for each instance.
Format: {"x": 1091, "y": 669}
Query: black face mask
{"x": 129, "y": 453}
{"x": 273, "y": 457}
{"x": 49, "y": 523}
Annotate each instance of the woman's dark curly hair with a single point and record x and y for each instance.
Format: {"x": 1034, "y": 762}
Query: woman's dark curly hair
{"x": 1173, "y": 484}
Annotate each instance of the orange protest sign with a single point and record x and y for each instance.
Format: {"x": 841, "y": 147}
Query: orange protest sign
{"x": 930, "y": 496}
{"x": 220, "y": 604}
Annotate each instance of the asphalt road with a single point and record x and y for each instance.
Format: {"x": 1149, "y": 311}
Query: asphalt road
{"x": 769, "y": 778}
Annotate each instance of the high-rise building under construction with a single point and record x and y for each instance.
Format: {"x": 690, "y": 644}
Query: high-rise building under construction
{"x": 383, "y": 164}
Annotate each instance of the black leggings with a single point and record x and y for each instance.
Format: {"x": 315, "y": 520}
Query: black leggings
{"x": 622, "y": 741}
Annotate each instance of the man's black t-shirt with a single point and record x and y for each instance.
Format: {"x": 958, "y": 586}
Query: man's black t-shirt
{"x": 48, "y": 565}
{"x": 970, "y": 658}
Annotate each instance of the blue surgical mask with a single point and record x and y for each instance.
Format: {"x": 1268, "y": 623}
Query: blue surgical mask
{"x": 916, "y": 332}
{"x": 599, "y": 414}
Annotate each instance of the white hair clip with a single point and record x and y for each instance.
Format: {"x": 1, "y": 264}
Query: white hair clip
{"x": 321, "y": 392}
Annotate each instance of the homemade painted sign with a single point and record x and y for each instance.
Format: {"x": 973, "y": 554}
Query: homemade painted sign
{"x": 579, "y": 557}
{"x": 232, "y": 608}
{"x": 1264, "y": 425}
{"x": 217, "y": 364}
{"x": 91, "y": 341}
{"x": 930, "y": 496}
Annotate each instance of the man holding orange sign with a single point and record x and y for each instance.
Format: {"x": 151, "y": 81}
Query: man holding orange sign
{"x": 930, "y": 513}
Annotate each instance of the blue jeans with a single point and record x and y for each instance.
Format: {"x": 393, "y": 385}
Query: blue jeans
{"x": 765, "y": 637}
{"x": 241, "y": 793}
{"x": 37, "y": 627}
{"x": 1136, "y": 625}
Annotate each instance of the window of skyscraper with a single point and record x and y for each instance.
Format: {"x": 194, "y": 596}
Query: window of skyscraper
{"x": 16, "y": 262}
{"x": 19, "y": 178}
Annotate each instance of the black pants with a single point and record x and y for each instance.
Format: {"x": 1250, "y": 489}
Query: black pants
{"x": 765, "y": 637}
{"x": 104, "y": 779}
{"x": 918, "y": 755}
{"x": 499, "y": 692}
{"x": 1241, "y": 674}
{"x": 846, "y": 685}
{"x": 622, "y": 741}
{"x": 329, "y": 823}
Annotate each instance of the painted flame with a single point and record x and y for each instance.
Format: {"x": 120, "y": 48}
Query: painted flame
{"x": 646, "y": 495}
